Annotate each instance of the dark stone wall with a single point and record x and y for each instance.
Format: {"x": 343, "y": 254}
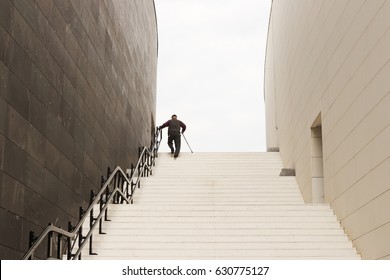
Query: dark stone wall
{"x": 77, "y": 94}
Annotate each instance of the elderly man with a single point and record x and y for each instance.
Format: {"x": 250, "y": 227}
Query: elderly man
{"x": 174, "y": 126}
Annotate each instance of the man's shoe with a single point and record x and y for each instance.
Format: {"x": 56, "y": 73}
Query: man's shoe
{"x": 172, "y": 151}
{"x": 175, "y": 156}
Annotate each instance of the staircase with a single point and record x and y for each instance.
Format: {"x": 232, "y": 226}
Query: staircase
{"x": 221, "y": 206}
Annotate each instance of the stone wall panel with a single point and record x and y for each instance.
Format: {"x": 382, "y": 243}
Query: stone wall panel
{"x": 77, "y": 94}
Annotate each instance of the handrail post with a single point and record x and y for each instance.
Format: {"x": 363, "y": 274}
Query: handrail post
{"x": 81, "y": 237}
{"x": 150, "y": 157}
{"x": 132, "y": 170}
{"x": 146, "y": 164}
{"x": 113, "y": 189}
{"x": 31, "y": 240}
{"x": 91, "y": 198}
{"x": 128, "y": 186}
{"x": 116, "y": 186}
{"x": 49, "y": 241}
{"x": 59, "y": 243}
{"x": 120, "y": 180}
{"x": 102, "y": 181}
{"x": 108, "y": 172}
{"x": 70, "y": 229}
{"x": 131, "y": 182}
{"x": 140, "y": 162}
{"x": 106, "y": 211}
{"x": 91, "y": 221}
{"x": 132, "y": 190}
{"x": 144, "y": 160}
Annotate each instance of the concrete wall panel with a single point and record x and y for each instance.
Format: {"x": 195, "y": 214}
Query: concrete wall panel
{"x": 331, "y": 58}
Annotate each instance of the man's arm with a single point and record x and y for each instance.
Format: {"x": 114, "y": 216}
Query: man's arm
{"x": 183, "y": 127}
{"x": 164, "y": 125}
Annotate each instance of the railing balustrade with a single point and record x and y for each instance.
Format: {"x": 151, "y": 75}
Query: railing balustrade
{"x": 117, "y": 187}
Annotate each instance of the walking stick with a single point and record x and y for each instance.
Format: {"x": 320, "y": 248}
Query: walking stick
{"x": 187, "y": 143}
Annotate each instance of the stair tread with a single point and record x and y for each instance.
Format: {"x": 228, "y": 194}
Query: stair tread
{"x": 221, "y": 206}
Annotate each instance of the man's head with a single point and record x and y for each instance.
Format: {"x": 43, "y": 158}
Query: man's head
{"x": 174, "y": 117}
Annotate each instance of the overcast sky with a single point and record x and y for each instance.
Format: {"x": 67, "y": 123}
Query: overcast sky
{"x": 211, "y": 71}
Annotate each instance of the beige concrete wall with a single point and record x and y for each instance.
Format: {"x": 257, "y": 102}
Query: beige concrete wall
{"x": 328, "y": 65}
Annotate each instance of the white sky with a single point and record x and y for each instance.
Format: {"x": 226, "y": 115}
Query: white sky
{"x": 210, "y": 72}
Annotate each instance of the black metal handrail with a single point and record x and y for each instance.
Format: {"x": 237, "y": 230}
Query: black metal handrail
{"x": 123, "y": 189}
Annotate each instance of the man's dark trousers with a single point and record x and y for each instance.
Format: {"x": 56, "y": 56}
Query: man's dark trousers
{"x": 175, "y": 137}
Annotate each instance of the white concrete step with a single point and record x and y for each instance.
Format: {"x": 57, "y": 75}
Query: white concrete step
{"x": 226, "y": 254}
{"x": 333, "y": 240}
{"x": 221, "y": 206}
